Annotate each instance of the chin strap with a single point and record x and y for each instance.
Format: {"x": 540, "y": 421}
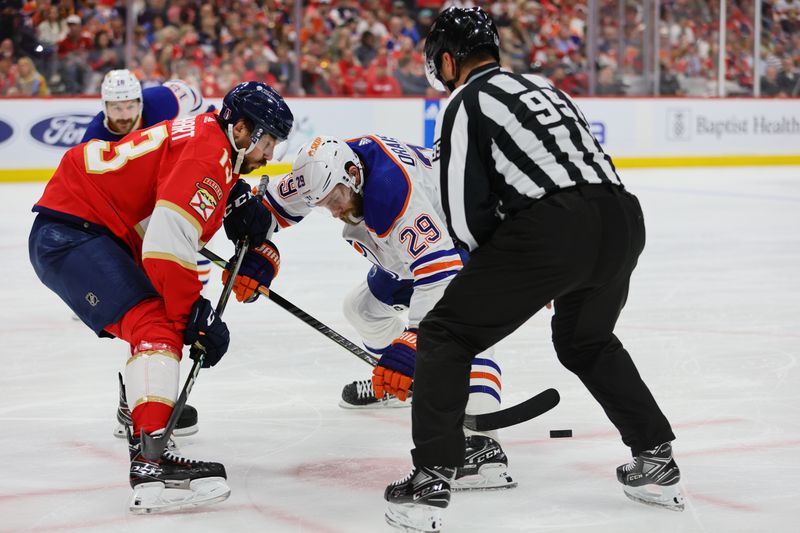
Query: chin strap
{"x": 451, "y": 85}
{"x": 241, "y": 152}
{"x": 351, "y": 181}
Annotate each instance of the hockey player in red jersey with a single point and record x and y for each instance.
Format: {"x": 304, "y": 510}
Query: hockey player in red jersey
{"x": 126, "y": 108}
{"x": 116, "y": 237}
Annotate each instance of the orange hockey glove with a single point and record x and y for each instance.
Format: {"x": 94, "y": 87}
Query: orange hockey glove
{"x": 259, "y": 267}
{"x": 395, "y": 371}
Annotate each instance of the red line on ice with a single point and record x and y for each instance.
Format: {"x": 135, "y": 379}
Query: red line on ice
{"x": 44, "y": 493}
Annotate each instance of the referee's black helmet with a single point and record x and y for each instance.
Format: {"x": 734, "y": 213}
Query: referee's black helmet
{"x": 461, "y": 32}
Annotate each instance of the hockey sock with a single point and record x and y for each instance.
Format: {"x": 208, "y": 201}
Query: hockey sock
{"x": 151, "y": 377}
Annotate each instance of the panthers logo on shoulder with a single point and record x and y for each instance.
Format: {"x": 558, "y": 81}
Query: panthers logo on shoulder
{"x": 203, "y": 202}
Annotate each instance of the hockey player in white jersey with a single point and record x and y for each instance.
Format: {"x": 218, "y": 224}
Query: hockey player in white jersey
{"x": 385, "y": 192}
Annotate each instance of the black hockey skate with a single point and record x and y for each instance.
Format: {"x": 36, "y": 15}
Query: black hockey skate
{"x": 485, "y": 466}
{"x": 187, "y": 422}
{"x": 652, "y": 478}
{"x": 416, "y": 502}
{"x": 359, "y": 395}
{"x": 173, "y": 482}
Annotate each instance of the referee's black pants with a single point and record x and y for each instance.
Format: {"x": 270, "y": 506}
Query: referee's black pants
{"x": 577, "y": 248}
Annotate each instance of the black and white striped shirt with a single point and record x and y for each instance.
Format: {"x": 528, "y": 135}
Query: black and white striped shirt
{"x": 503, "y": 139}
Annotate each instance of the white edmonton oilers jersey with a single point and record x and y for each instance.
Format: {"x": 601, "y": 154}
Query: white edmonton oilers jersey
{"x": 402, "y": 231}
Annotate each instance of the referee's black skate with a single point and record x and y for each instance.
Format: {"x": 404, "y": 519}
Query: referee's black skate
{"x": 360, "y": 395}
{"x": 652, "y": 478}
{"x": 173, "y": 482}
{"x": 485, "y": 466}
{"x": 187, "y": 422}
{"x": 417, "y": 501}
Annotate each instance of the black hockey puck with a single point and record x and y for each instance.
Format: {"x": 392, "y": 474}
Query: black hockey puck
{"x": 560, "y": 433}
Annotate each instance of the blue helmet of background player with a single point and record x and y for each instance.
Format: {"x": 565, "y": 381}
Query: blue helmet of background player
{"x": 462, "y": 33}
{"x": 260, "y": 104}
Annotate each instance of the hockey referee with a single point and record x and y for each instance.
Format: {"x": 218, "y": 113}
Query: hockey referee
{"x": 530, "y": 193}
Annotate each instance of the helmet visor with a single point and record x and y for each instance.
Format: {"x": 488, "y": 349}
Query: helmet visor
{"x": 432, "y": 74}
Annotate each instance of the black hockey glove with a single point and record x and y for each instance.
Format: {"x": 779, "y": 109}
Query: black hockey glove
{"x": 208, "y": 330}
{"x": 246, "y": 216}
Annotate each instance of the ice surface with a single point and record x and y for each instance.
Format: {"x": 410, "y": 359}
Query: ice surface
{"x": 712, "y": 322}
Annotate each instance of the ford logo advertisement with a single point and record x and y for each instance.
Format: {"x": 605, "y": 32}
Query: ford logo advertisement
{"x": 63, "y": 131}
{"x": 6, "y": 131}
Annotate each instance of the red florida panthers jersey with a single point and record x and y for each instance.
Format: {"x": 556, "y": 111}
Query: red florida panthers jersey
{"x": 161, "y": 190}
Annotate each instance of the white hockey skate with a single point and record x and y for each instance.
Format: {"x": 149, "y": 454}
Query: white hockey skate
{"x": 652, "y": 478}
{"x": 173, "y": 483}
{"x": 485, "y": 466}
{"x": 359, "y": 395}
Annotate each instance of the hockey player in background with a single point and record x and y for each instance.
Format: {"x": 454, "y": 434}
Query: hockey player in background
{"x": 127, "y": 108}
{"x": 384, "y": 191}
{"x": 116, "y": 236}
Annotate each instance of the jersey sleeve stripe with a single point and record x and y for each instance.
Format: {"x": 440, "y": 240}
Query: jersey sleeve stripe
{"x": 282, "y": 222}
{"x": 436, "y": 267}
{"x": 486, "y": 375}
{"x": 170, "y": 257}
{"x": 171, "y": 235}
{"x": 183, "y": 213}
{"x": 376, "y": 351}
{"x": 486, "y": 390}
{"x": 432, "y": 256}
{"x": 487, "y": 362}
{"x": 435, "y": 277}
{"x": 279, "y": 211}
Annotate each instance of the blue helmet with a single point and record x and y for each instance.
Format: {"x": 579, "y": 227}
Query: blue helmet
{"x": 261, "y": 104}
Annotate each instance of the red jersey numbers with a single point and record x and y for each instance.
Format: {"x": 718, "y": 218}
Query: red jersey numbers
{"x": 418, "y": 236}
{"x": 100, "y": 158}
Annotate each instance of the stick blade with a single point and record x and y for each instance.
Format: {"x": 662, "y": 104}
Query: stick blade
{"x": 516, "y": 414}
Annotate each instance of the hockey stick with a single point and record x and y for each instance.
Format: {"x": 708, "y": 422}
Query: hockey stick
{"x": 299, "y": 313}
{"x": 516, "y": 414}
{"x": 153, "y": 447}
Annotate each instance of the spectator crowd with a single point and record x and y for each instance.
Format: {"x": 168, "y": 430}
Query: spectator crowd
{"x": 374, "y": 47}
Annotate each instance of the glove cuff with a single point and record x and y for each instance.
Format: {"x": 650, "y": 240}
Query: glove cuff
{"x": 270, "y": 252}
{"x": 408, "y": 338}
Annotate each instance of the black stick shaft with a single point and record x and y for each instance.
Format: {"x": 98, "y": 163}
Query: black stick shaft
{"x": 153, "y": 447}
{"x": 302, "y": 315}
{"x": 516, "y": 414}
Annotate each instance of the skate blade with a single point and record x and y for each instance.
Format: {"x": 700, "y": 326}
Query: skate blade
{"x": 153, "y": 498}
{"x": 119, "y": 431}
{"x": 391, "y": 403}
{"x": 414, "y": 518}
{"x": 489, "y": 477}
{"x": 665, "y": 497}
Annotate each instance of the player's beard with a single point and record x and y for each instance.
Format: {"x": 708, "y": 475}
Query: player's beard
{"x": 122, "y": 127}
{"x": 355, "y": 214}
{"x": 250, "y": 166}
